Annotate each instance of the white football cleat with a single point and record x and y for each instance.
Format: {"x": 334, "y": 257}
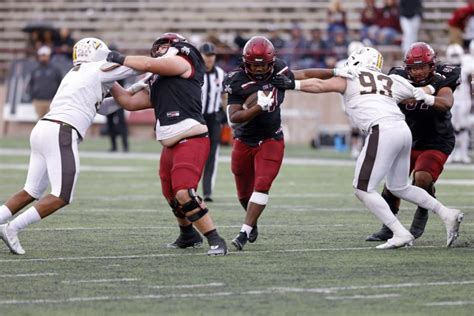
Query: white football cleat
{"x": 452, "y": 226}
{"x": 398, "y": 242}
{"x": 10, "y": 237}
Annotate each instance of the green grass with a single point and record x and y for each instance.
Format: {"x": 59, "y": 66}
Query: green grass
{"x": 105, "y": 253}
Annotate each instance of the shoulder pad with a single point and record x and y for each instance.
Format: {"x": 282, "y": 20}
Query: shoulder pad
{"x": 279, "y": 66}
{"x": 233, "y": 82}
{"x": 107, "y": 66}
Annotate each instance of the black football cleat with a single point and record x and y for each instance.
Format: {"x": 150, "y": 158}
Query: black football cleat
{"x": 240, "y": 240}
{"x": 217, "y": 248}
{"x": 192, "y": 240}
{"x": 419, "y": 222}
{"x": 253, "y": 235}
{"x": 382, "y": 235}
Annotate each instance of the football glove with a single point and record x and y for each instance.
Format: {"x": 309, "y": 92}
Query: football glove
{"x": 115, "y": 57}
{"x": 264, "y": 101}
{"x": 421, "y": 95}
{"x": 283, "y": 82}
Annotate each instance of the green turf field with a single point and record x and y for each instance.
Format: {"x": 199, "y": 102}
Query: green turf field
{"x": 105, "y": 253}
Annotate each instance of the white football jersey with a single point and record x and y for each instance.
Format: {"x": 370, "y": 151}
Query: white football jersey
{"x": 81, "y": 93}
{"x": 373, "y": 98}
{"x": 462, "y": 95}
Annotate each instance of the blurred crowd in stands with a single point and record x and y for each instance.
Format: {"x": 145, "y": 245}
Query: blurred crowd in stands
{"x": 394, "y": 22}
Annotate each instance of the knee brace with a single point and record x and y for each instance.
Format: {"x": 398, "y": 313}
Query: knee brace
{"x": 176, "y": 209}
{"x": 194, "y": 203}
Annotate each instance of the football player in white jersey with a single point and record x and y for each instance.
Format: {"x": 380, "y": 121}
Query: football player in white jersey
{"x": 54, "y": 139}
{"x": 371, "y": 103}
{"x": 462, "y": 102}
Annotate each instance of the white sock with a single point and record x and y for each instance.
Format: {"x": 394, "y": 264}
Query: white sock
{"x": 5, "y": 214}
{"x": 419, "y": 197}
{"x": 246, "y": 229}
{"x": 30, "y": 216}
{"x": 377, "y": 205}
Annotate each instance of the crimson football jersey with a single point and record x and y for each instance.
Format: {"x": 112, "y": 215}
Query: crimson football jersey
{"x": 175, "y": 98}
{"x": 267, "y": 124}
{"x": 431, "y": 129}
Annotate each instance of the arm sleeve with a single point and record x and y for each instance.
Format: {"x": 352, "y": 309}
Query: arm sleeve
{"x": 402, "y": 89}
{"x": 118, "y": 73}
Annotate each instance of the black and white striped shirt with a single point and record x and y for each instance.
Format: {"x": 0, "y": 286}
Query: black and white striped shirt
{"x": 212, "y": 90}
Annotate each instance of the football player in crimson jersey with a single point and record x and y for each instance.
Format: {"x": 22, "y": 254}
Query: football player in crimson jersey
{"x": 258, "y": 146}
{"x": 175, "y": 95}
{"x": 431, "y": 127}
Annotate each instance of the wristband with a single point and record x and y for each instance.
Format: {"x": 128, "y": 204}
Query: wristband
{"x": 297, "y": 84}
{"x": 429, "y": 100}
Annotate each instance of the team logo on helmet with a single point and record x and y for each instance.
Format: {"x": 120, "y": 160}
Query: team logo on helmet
{"x": 89, "y": 49}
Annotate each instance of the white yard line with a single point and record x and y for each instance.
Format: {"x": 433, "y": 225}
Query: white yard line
{"x": 99, "y": 281}
{"x": 155, "y": 157}
{"x": 84, "y": 168}
{"x": 187, "y": 286}
{"x": 27, "y": 275}
{"x": 450, "y": 303}
{"x": 164, "y": 255}
{"x": 362, "y": 297}
{"x": 268, "y": 291}
{"x": 331, "y": 290}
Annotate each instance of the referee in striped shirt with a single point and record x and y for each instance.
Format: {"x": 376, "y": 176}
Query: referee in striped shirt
{"x": 212, "y": 101}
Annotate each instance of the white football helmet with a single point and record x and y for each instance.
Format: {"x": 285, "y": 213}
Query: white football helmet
{"x": 366, "y": 57}
{"x": 353, "y": 46}
{"x": 89, "y": 49}
{"x": 454, "y": 54}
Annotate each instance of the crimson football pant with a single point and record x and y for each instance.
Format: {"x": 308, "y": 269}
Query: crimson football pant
{"x": 255, "y": 168}
{"x": 431, "y": 161}
{"x": 181, "y": 166}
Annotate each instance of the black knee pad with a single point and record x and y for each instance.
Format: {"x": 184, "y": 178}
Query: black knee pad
{"x": 176, "y": 209}
{"x": 194, "y": 203}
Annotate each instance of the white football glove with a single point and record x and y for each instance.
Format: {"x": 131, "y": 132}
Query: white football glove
{"x": 421, "y": 95}
{"x": 140, "y": 84}
{"x": 137, "y": 86}
{"x": 346, "y": 72}
{"x": 264, "y": 101}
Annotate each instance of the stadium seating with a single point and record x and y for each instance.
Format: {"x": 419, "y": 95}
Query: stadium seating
{"x": 133, "y": 24}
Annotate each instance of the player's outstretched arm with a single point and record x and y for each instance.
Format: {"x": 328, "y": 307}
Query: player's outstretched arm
{"x": 131, "y": 101}
{"x": 321, "y": 73}
{"x": 314, "y": 85}
{"x": 443, "y": 101}
{"x": 166, "y": 66}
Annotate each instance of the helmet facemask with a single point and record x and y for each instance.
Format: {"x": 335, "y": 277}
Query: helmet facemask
{"x": 258, "y": 58}
{"x": 420, "y": 62}
{"x": 162, "y": 44}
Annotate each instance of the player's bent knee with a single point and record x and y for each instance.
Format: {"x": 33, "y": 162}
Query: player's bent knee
{"x": 423, "y": 179}
{"x": 263, "y": 184}
{"x": 193, "y": 204}
{"x": 259, "y": 198}
{"x": 176, "y": 209}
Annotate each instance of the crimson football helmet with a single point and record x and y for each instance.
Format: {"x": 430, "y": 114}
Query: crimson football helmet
{"x": 420, "y": 60}
{"x": 259, "y": 58}
{"x": 165, "y": 39}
